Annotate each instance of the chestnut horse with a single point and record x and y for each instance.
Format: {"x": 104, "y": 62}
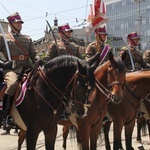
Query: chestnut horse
{"x": 137, "y": 88}
{"x": 62, "y": 80}
{"x": 110, "y": 79}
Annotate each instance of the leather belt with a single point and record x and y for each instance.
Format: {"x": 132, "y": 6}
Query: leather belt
{"x": 20, "y": 57}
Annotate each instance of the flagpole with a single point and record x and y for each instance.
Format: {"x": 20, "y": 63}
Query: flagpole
{"x": 97, "y": 41}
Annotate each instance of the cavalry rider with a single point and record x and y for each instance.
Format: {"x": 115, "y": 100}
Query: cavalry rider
{"x": 91, "y": 50}
{"x": 21, "y": 50}
{"x": 63, "y": 46}
{"x": 92, "y": 54}
{"x": 137, "y": 57}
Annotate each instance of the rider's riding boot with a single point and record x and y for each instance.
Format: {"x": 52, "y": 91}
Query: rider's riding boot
{"x": 8, "y": 121}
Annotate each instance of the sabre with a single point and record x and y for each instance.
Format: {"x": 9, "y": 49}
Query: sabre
{"x": 131, "y": 58}
{"x": 6, "y": 44}
{"x": 52, "y": 32}
{"x": 7, "y": 48}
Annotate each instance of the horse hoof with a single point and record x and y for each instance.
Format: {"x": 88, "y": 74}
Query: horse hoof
{"x": 140, "y": 147}
{"x": 79, "y": 146}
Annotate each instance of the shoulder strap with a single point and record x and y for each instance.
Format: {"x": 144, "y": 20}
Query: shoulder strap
{"x": 18, "y": 44}
{"x": 67, "y": 49}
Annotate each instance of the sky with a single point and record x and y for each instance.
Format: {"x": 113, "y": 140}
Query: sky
{"x": 34, "y": 13}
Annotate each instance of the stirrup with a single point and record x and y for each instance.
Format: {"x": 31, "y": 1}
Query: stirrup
{"x": 9, "y": 123}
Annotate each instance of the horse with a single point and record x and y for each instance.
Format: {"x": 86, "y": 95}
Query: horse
{"x": 59, "y": 82}
{"x": 124, "y": 114}
{"x": 110, "y": 79}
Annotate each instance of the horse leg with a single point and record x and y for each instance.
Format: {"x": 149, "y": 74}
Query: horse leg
{"x": 148, "y": 124}
{"x": 84, "y": 134}
{"x": 140, "y": 122}
{"x": 50, "y": 137}
{"x": 31, "y": 138}
{"x": 128, "y": 135}
{"x": 21, "y": 137}
{"x": 106, "y": 128}
{"x": 117, "y": 129}
{"x": 65, "y": 135}
{"x": 95, "y": 131}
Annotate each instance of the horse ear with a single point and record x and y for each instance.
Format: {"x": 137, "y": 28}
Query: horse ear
{"x": 111, "y": 56}
{"x": 111, "y": 59}
{"x": 79, "y": 66}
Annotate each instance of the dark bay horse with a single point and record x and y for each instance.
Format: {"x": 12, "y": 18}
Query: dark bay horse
{"x": 110, "y": 79}
{"x": 137, "y": 88}
{"x": 63, "y": 79}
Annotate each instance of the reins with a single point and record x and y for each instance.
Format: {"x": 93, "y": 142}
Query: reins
{"x": 136, "y": 97}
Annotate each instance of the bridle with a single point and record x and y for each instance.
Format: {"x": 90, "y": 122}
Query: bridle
{"x": 62, "y": 95}
{"x": 75, "y": 83}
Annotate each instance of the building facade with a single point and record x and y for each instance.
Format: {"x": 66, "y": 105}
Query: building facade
{"x": 126, "y": 16}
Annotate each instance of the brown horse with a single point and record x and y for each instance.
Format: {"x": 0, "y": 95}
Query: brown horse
{"x": 110, "y": 79}
{"x": 124, "y": 114}
{"x": 63, "y": 80}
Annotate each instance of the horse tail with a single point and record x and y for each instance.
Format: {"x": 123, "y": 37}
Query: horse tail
{"x": 72, "y": 132}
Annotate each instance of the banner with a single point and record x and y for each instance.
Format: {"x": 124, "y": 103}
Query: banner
{"x": 97, "y": 16}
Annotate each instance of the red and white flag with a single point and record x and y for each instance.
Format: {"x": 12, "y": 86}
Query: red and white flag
{"x": 97, "y": 16}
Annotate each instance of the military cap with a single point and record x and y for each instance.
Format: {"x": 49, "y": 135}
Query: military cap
{"x": 14, "y": 18}
{"x": 101, "y": 30}
{"x": 133, "y": 36}
{"x": 64, "y": 27}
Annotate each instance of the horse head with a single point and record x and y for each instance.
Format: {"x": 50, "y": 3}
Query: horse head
{"x": 116, "y": 78}
{"x": 85, "y": 83}
{"x": 110, "y": 77}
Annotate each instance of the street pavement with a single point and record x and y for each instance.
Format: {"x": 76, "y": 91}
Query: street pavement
{"x": 9, "y": 142}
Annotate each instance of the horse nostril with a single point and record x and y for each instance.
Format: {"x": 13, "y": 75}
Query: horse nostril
{"x": 116, "y": 99}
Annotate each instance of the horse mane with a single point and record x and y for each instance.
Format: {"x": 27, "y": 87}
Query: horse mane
{"x": 64, "y": 61}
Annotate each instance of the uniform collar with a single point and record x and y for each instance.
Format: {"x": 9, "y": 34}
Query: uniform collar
{"x": 15, "y": 34}
{"x": 65, "y": 42}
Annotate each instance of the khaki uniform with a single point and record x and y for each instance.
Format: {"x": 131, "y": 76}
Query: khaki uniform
{"x": 91, "y": 50}
{"x": 146, "y": 56}
{"x": 62, "y": 48}
{"x": 137, "y": 58}
{"x": 21, "y": 56}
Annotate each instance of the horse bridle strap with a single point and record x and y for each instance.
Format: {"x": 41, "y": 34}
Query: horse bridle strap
{"x": 60, "y": 95}
{"x": 129, "y": 89}
{"x": 102, "y": 88}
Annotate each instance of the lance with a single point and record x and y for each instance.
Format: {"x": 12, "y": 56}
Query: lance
{"x": 131, "y": 58}
{"x": 7, "y": 48}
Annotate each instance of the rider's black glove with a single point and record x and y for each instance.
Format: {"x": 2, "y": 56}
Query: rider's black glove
{"x": 6, "y": 65}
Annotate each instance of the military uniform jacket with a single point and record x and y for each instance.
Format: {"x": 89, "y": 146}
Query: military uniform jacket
{"x": 62, "y": 48}
{"x": 91, "y": 50}
{"x": 21, "y": 56}
{"x": 137, "y": 58}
